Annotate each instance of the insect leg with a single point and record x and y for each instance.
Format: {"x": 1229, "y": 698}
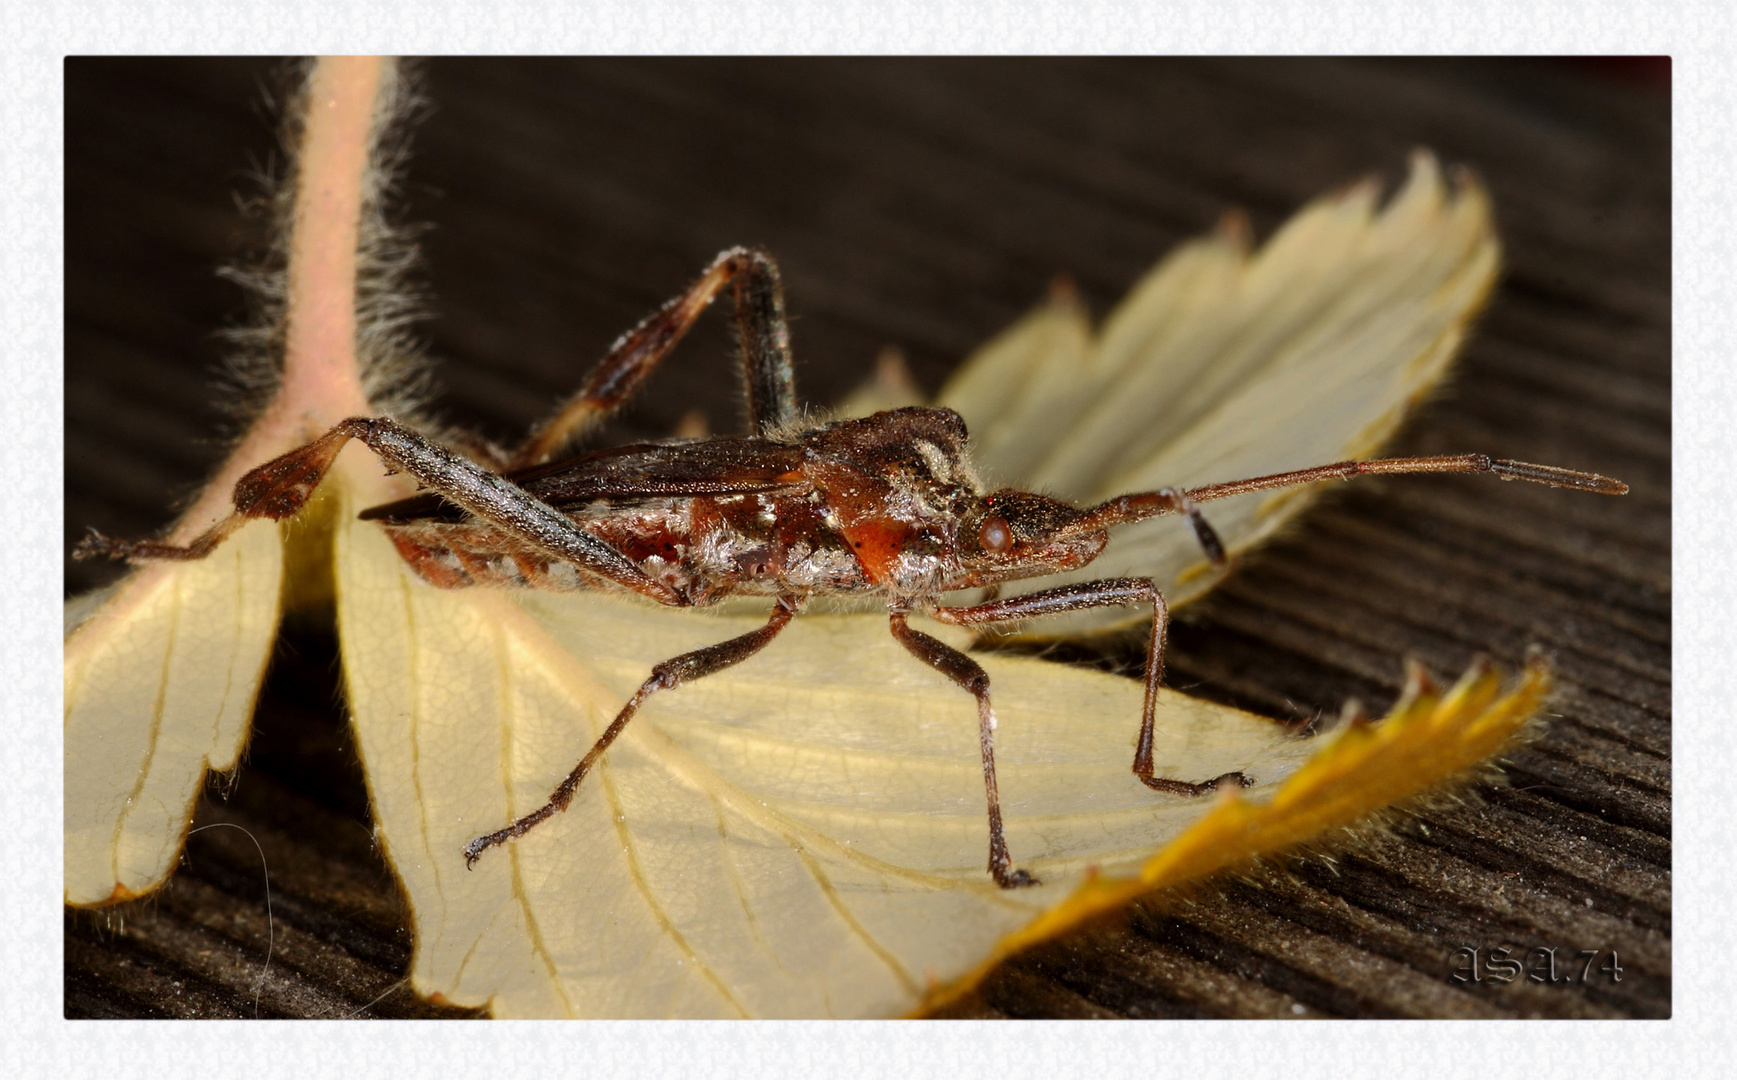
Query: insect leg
{"x": 666, "y": 676}
{"x": 1091, "y": 594}
{"x": 766, "y": 364}
{"x": 971, "y": 677}
{"x": 283, "y": 485}
{"x": 1204, "y": 533}
{"x": 277, "y": 489}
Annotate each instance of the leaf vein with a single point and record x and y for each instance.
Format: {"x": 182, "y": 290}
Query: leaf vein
{"x": 830, "y": 891}
{"x": 156, "y": 727}
{"x": 503, "y": 662}
{"x": 632, "y": 859}
{"x": 405, "y": 588}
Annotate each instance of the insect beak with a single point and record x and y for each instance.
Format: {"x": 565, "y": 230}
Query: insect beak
{"x": 1072, "y": 551}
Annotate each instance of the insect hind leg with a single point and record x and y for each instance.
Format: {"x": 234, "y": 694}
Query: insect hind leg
{"x": 283, "y": 485}
{"x": 767, "y": 370}
{"x": 276, "y": 490}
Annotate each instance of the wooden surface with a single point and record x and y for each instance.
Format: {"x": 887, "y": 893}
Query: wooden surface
{"x": 927, "y": 204}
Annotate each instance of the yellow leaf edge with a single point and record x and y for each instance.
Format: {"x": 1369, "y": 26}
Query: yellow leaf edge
{"x": 1429, "y": 739}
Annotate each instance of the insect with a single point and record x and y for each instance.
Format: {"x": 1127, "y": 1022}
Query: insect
{"x": 887, "y": 506}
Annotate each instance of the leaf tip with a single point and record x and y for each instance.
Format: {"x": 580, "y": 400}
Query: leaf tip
{"x": 1427, "y": 741}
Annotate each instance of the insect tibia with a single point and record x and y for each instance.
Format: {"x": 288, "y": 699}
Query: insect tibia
{"x": 760, "y": 324}
{"x": 1555, "y": 477}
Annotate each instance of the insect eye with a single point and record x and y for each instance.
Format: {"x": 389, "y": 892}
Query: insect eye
{"x": 996, "y": 535}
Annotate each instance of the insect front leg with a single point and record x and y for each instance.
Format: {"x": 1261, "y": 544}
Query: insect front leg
{"x": 666, "y": 676}
{"x": 282, "y": 486}
{"x": 766, "y": 363}
{"x": 970, "y": 676}
{"x": 1091, "y": 594}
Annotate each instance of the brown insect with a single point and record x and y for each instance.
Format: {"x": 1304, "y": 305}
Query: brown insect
{"x": 887, "y": 505}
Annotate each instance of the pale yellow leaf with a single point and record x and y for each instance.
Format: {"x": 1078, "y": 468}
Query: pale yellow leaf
{"x": 1007, "y": 389}
{"x": 802, "y": 835}
{"x": 1429, "y": 738}
{"x": 162, "y": 670}
{"x": 1223, "y": 364}
{"x": 160, "y": 685}
{"x": 891, "y": 387}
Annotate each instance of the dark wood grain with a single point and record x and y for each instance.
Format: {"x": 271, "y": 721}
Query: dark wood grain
{"x": 927, "y": 204}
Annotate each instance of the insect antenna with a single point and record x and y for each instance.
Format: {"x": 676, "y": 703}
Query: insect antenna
{"x": 1142, "y": 505}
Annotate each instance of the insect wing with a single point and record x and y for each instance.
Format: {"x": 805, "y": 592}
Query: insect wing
{"x": 631, "y": 474}
{"x": 722, "y": 466}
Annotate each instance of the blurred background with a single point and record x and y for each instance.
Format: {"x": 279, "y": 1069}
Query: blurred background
{"x": 927, "y": 204}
